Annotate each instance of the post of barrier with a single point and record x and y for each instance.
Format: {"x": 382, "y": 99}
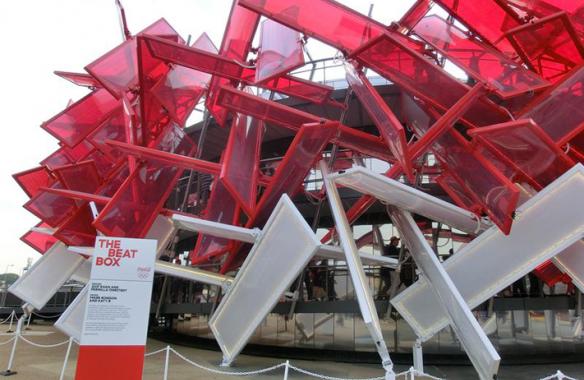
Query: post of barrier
{"x": 9, "y": 371}
{"x": 28, "y": 322}
{"x": 166, "y": 359}
{"x": 418, "y": 356}
{"x": 11, "y": 321}
{"x": 286, "y": 369}
{"x": 66, "y": 359}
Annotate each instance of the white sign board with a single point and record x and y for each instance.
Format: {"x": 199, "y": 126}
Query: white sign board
{"x": 119, "y": 292}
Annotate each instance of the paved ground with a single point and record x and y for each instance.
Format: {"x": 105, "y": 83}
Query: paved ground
{"x": 34, "y": 363}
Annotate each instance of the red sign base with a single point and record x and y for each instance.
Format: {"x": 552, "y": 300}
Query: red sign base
{"x": 110, "y": 363}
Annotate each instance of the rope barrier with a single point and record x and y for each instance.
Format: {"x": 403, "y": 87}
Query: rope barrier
{"x": 229, "y": 373}
{"x": 10, "y": 317}
{"x": 42, "y": 345}
{"x": 558, "y": 376}
{"x": 319, "y": 376}
{"x": 46, "y": 316}
{"x": 155, "y": 352}
{"x": 8, "y": 341}
{"x": 286, "y": 365}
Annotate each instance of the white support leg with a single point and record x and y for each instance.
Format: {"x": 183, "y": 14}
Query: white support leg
{"x": 360, "y": 282}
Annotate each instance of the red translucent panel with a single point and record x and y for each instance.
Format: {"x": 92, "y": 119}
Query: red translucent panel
{"x": 221, "y": 208}
{"x": 550, "y": 274}
{"x": 82, "y": 176}
{"x": 74, "y": 123}
{"x": 576, "y": 154}
{"x": 262, "y": 109}
{"x": 31, "y": 180}
{"x": 163, "y": 29}
{"x": 57, "y": 158}
{"x": 113, "y": 128}
{"x": 116, "y": 179}
{"x": 79, "y": 79}
{"x": 194, "y": 58}
{"x": 328, "y": 21}
{"x": 415, "y": 14}
{"x": 117, "y": 70}
{"x": 80, "y": 151}
{"x": 181, "y": 161}
{"x": 237, "y": 39}
{"x": 497, "y": 194}
{"x": 135, "y": 205}
{"x": 456, "y": 191}
{"x": 205, "y": 43}
{"x": 240, "y": 168}
{"x": 288, "y": 117}
{"x": 507, "y": 167}
{"x": 393, "y": 59}
{"x": 77, "y": 230}
{"x": 559, "y": 111}
{"x": 197, "y": 59}
{"x": 181, "y": 89}
{"x": 296, "y": 87}
{"x": 548, "y": 44}
{"x": 478, "y": 176}
{"x": 280, "y": 51}
{"x": 39, "y": 241}
{"x": 103, "y": 163}
{"x": 65, "y": 155}
{"x": 387, "y": 123}
{"x": 300, "y": 157}
{"x": 477, "y": 59}
{"x": 239, "y": 32}
{"x": 179, "y": 92}
{"x": 528, "y": 147}
{"x": 153, "y": 117}
{"x": 577, "y": 141}
{"x": 490, "y": 19}
{"x": 51, "y": 208}
{"x": 362, "y": 142}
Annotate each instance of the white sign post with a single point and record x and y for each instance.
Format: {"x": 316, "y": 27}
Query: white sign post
{"x": 114, "y": 331}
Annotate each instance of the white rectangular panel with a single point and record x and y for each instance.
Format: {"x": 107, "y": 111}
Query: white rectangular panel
{"x": 71, "y": 321}
{"x": 283, "y": 249}
{"x": 545, "y": 225}
{"x": 408, "y": 198}
{"x": 571, "y": 262}
{"x": 46, "y": 276}
{"x": 83, "y": 273}
{"x": 162, "y": 230}
{"x": 215, "y": 229}
{"x": 481, "y": 352}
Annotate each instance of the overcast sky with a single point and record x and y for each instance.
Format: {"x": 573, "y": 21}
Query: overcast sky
{"x": 41, "y": 36}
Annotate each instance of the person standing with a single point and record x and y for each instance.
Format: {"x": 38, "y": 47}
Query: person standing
{"x": 390, "y": 250}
